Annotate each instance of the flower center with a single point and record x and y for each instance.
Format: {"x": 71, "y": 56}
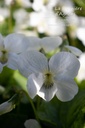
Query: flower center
{"x": 48, "y": 80}
{"x": 42, "y": 51}
{"x": 3, "y": 57}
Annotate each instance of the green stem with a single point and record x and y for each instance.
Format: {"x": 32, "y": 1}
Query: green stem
{"x": 33, "y": 108}
{"x": 31, "y": 102}
{"x": 38, "y": 102}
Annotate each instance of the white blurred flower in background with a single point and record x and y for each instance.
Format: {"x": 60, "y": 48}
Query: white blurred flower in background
{"x": 67, "y": 6}
{"x": 51, "y": 3}
{"x": 4, "y": 13}
{"x": 22, "y": 19}
{"x": 72, "y": 20}
{"x": 46, "y": 21}
{"x": 80, "y": 30}
{"x": 81, "y": 73}
{"x": 38, "y": 5}
{"x": 25, "y": 3}
{"x": 31, "y": 123}
{"x": 81, "y": 34}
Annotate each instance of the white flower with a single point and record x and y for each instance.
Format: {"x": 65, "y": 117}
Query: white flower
{"x": 46, "y": 21}
{"x": 47, "y": 43}
{"x": 81, "y": 34}
{"x": 4, "y": 13}
{"x": 38, "y": 5}
{"x": 52, "y": 3}
{"x": 81, "y": 73}
{"x": 47, "y": 79}
{"x": 31, "y": 123}
{"x": 10, "y": 47}
{"x": 22, "y": 21}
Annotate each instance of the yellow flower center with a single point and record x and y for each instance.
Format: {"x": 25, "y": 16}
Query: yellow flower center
{"x": 3, "y": 57}
{"x": 48, "y": 80}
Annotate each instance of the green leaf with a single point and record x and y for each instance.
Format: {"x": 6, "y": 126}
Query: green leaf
{"x": 49, "y": 113}
{"x": 71, "y": 112}
{"x": 64, "y": 114}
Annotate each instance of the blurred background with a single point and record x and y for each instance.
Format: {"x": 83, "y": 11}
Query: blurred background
{"x": 43, "y": 18}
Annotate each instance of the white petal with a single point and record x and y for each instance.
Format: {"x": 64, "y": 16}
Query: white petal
{"x": 31, "y": 123}
{"x": 35, "y": 81}
{"x": 47, "y": 93}
{"x": 50, "y": 43}
{"x": 34, "y": 43}
{"x": 13, "y": 61}
{"x": 6, "y": 107}
{"x": 16, "y": 43}
{"x": 32, "y": 62}
{"x": 1, "y": 42}
{"x": 67, "y": 89}
{"x": 74, "y": 50}
{"x": 64, "y": 63}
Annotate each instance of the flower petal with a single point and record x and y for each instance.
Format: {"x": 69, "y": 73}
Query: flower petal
{"x": 35, "y": 81}
{"x": 67, "y": 89}
{"x": 50, "y": 43}
{"x": 12, "y": 61}
{"x": 7, "y": 106}
{"x": 16, "y": 43}
{"x": 34, "y": 43}
{"x": 47, "y": 93}
{"x": 31, "y": 123}
{"x": 32, "y": 62}
{"x": 1, "y": 42}
{"x": 74, "y": 50}
{"x": 64, "y": 63}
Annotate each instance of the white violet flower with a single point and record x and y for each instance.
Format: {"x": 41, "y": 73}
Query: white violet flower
{"x": 47, "y": 43}
{"x": 49, "y": 78}
{"x": 10, "y": 46}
